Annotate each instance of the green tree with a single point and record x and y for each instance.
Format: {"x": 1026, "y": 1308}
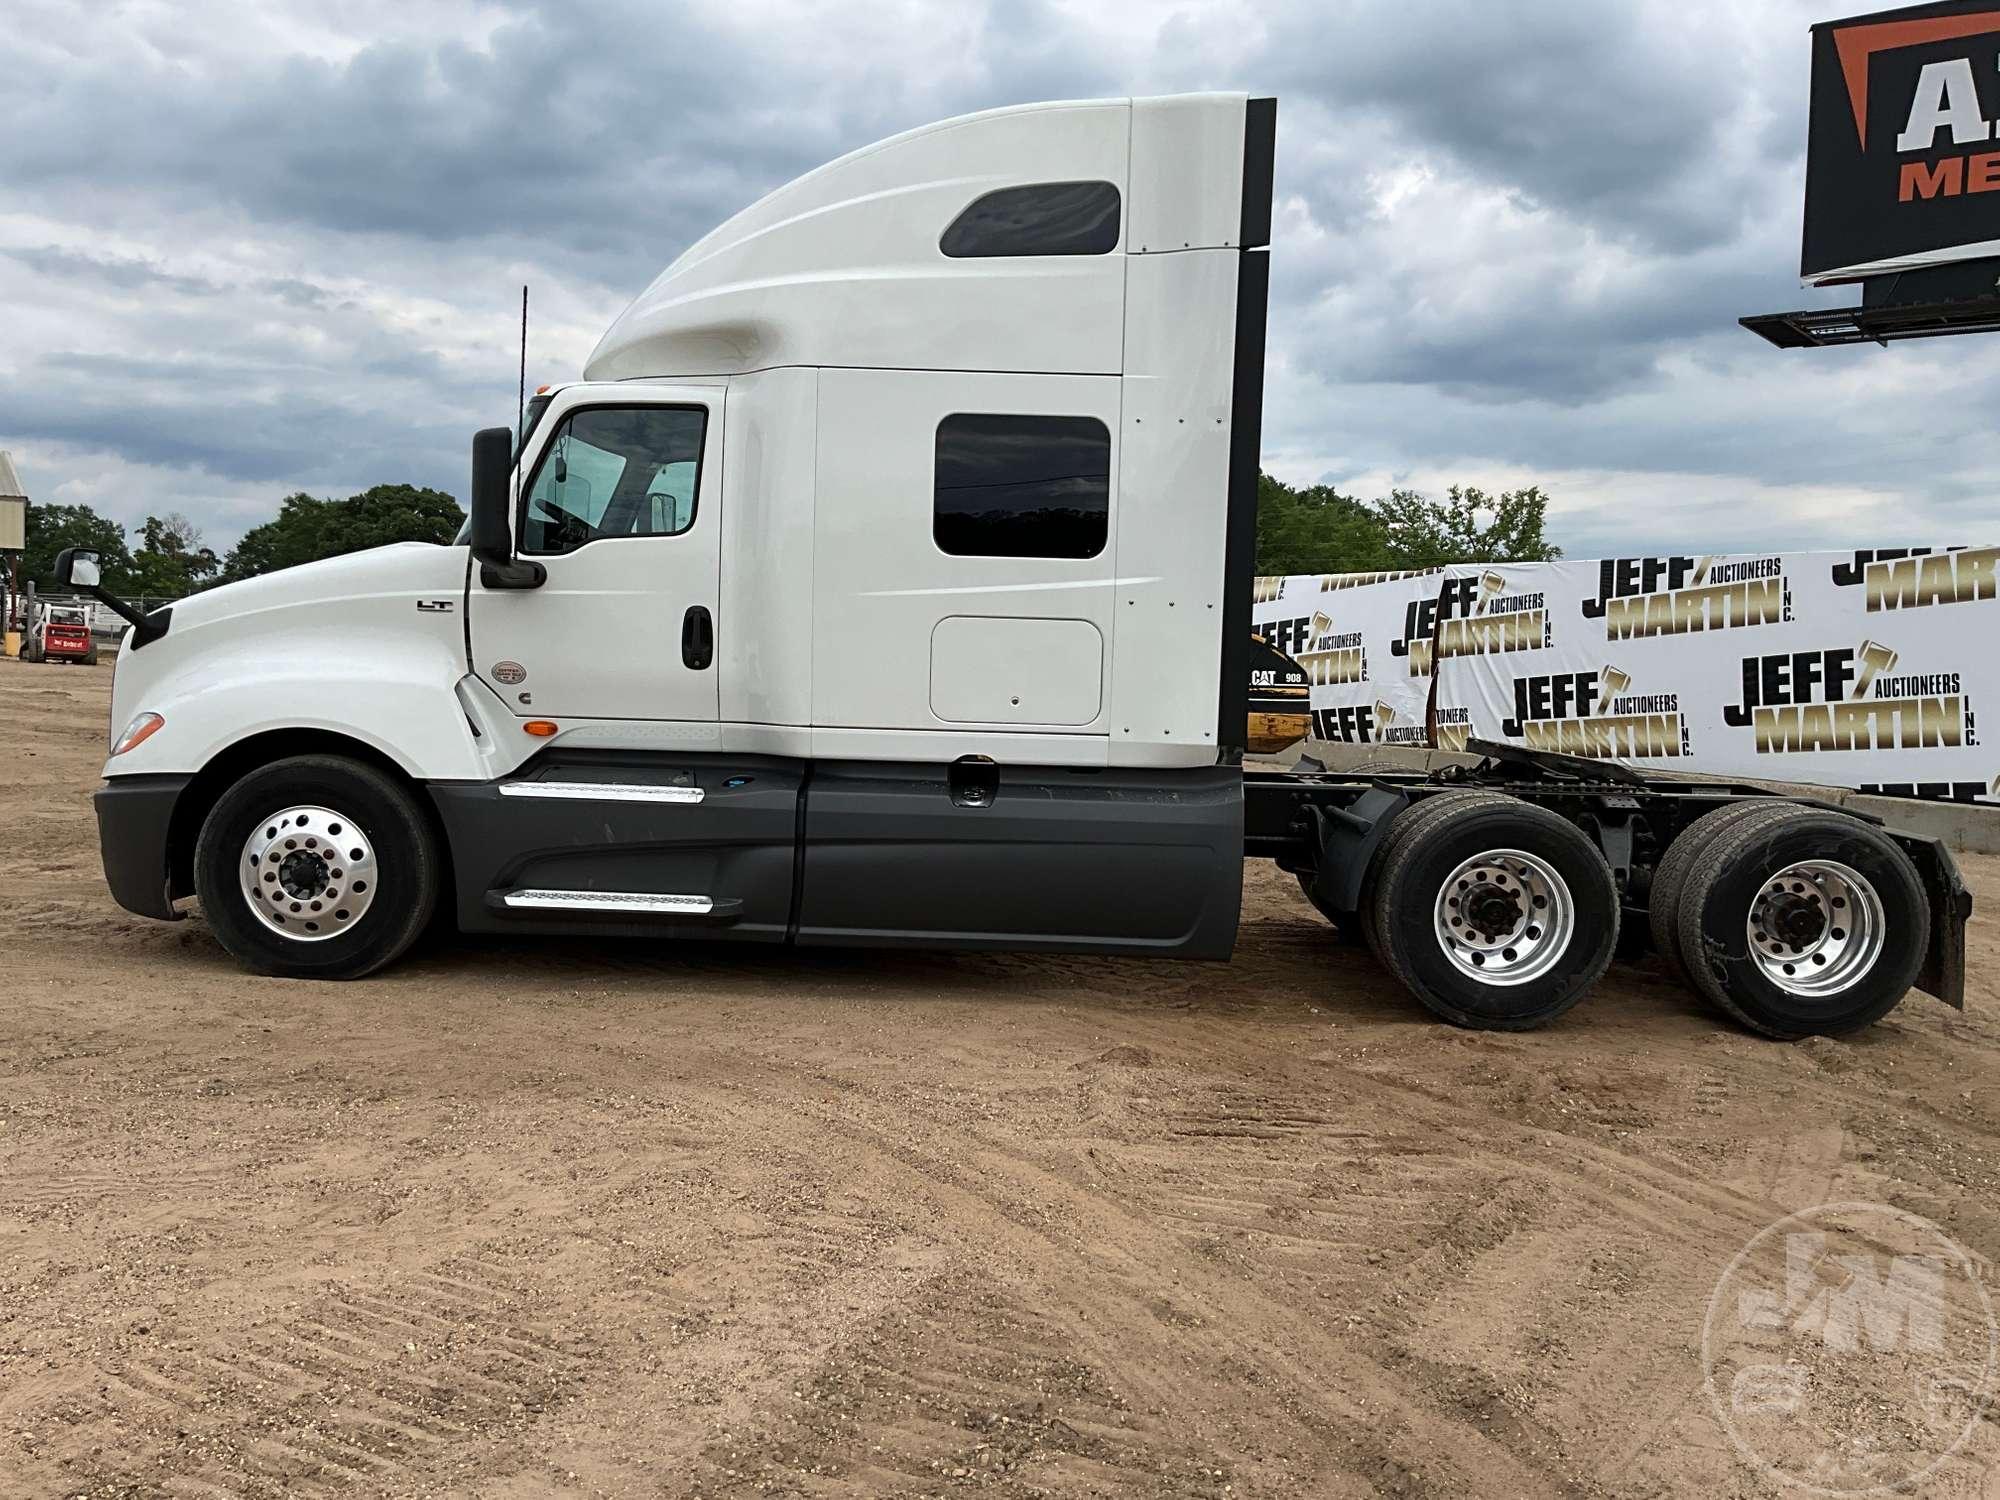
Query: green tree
{"x": 170, "y": 561}
{"x": 54, "y": 527}
{"x": 308, "y": 528}
{"x": 1316, "y": 529}
{"x": 1468, "y": 525}
{"x": 296, "y": 536}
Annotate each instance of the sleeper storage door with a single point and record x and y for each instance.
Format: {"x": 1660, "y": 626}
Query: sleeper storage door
{"x": 621, "y": 505}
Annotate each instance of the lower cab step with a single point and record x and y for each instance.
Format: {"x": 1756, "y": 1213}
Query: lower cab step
{"x": 619, "y": 903}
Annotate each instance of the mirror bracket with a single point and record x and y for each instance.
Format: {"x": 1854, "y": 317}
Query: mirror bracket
{"x": 145, "y": 627}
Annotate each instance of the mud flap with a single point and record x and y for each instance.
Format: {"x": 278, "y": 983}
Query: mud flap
{"x": 1943, "y": 972}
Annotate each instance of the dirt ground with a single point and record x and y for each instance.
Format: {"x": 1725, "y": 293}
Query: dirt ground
{"x": 620, "y": 1219}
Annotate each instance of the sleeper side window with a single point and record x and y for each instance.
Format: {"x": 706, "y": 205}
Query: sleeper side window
{"x": 1043, "y": 218}
{"x": 1022, "y": 486}
{"x": 615, "y": 471}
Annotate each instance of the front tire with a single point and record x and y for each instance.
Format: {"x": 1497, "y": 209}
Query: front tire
{"x": 317, "y": 867}
{"x": 1498, "y": 914}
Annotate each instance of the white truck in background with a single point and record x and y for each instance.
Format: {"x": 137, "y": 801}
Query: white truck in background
{"x": 886, "y": 580}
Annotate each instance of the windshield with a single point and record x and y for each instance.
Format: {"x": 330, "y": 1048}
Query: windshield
{"x": 531, "y": 414}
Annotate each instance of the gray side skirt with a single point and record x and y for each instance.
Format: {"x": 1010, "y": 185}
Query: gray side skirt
{"x": 970, "y": 855}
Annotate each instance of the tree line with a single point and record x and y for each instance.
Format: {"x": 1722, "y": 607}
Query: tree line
{"x": 1300, "y": 529}
{"x": 167, "y": 558}
{"x": 1316, "y": 529}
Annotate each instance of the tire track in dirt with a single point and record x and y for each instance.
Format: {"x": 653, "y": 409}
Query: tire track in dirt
{"x": 1110, "y": 1266}
{"x": 352, "y": 1386}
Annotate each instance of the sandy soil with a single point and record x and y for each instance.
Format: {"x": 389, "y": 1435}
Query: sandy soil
{"x": 581, "y": 1219}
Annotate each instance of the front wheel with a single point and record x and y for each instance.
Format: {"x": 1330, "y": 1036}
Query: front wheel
{"x": 316, "y": 867}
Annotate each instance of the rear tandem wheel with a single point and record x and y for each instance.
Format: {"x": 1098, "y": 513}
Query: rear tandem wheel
{"x": 1497, "y": 913}
{"x": 1803, "y": 923}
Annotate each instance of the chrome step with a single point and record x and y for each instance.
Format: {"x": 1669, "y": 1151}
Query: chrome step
{"x": 601, "y": 791}
{"x": 644, "y": 901}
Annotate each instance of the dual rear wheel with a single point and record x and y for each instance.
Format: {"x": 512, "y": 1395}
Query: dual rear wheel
{"x": 1494, "y": 912}
{"x": 1794, "y": 921}
{"x": 1500, "y": 914}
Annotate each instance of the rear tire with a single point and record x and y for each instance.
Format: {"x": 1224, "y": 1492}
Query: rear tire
{"x": 1408, "y": 824}
{"x": 340, "y": 856}
{"x": 1812, "y": 924}
{"x": 1670, "y": 875}
{"x": 1498, "y": 914}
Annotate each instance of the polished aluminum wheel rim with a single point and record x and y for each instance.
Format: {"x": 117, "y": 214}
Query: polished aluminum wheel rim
{"x": 1504, "y": 917}
{"x": 308, "y": 873}
{"x": 1816, "y": 928}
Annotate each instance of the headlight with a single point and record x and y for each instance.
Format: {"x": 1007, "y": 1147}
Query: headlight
{"x": 141, "y": 729}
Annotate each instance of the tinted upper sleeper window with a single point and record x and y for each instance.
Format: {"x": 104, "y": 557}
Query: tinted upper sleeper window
{"x": 1014, "y": 486}
{"x": 1043, "y": 218}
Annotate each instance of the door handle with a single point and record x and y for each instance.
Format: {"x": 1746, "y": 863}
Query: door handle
{"x": 697, "y": 639}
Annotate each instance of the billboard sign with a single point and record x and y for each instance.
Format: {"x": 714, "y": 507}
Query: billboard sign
{"x": 1902, "y": 152}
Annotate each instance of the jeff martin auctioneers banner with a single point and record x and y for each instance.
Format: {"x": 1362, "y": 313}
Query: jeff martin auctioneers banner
{"x": 1854, "y": 669}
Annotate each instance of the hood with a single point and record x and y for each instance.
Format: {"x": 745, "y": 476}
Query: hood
{"x": 372, "y": 611}
{"x": 400, "y": 568}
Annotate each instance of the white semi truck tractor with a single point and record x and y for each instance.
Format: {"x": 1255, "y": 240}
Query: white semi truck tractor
{"x": 886, "y": 581}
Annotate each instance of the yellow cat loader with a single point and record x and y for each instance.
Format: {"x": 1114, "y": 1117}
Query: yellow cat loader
{"x": 1280, "y": 700}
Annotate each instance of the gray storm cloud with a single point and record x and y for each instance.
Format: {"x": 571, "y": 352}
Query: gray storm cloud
{"x": 251, "y": 249}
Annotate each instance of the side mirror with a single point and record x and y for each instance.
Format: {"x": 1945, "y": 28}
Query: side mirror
{"x": 492, "y": 502}
{"x": 80, "y": 568}
{"x": 77, "y": 568}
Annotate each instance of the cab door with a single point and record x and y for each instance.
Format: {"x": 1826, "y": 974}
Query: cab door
{"x": 619, "y": 498}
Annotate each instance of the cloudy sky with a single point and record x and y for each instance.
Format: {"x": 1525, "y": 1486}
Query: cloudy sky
{"x": 247, "y": 249}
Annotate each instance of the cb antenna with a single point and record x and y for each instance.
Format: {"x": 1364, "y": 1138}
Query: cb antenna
{"x": 521, "y": 396}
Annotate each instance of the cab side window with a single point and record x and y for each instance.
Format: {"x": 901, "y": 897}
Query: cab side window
{"x": 615, "y": 471}
{"x": 1021, "y": 486}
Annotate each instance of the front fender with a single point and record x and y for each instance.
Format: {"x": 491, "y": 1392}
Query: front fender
{"x": 393, "y": 691}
